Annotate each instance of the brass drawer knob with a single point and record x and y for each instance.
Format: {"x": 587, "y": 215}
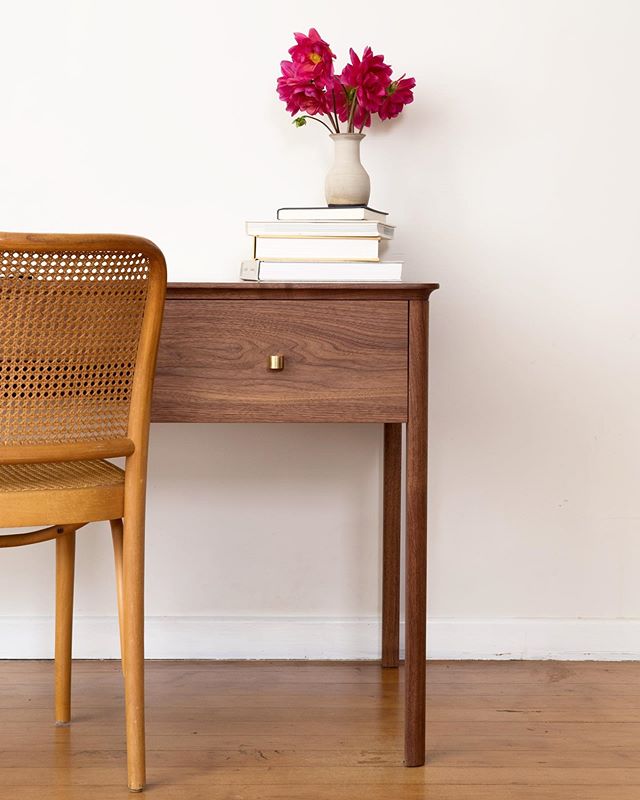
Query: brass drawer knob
{"x": 276, "y": 362}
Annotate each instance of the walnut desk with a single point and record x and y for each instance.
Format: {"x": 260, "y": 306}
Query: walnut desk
{"x": 319, "y": 352}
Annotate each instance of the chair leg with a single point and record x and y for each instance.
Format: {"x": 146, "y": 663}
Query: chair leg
{"x": 133, "y": 615}
{"x": 117, "y": 536}
{"x": 65, "y": 564}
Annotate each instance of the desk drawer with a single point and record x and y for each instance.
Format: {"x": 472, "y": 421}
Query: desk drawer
{"x": 344, "y": 361}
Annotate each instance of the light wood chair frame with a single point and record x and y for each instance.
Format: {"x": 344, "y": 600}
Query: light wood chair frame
{"x": 127, "y": 529}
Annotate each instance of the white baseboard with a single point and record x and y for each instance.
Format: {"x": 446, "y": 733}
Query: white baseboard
{"x": 331, "y": 638}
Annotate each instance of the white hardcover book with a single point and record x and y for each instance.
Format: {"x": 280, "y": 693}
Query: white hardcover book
{"x": 276, "y": 248}
{"x": 350, "y": 228}
{"x": 332, "y": 213}
{"x": 301, "y": 271}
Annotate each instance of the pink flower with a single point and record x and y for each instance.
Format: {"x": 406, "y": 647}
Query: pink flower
{"x": 312, "y": 57}
{"x": 287, "y": 84}
{"x": 369, "y": 76}
{"x": 309, "y": 85}
{"x": 399, "y": 94}
{"x": 300, "y": 92}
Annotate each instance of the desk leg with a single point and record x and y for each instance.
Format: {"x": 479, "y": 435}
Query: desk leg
{"x": 392, "y": 478}
{"x": 416, "y": 538}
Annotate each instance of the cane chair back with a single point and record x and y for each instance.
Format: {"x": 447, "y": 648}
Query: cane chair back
{"x": 71, "y": 317}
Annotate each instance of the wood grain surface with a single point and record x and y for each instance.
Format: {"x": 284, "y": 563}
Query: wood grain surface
{"x": 344, "y": 361}
{"x": 285, "y": 731}
{"x": 255, "y": 290}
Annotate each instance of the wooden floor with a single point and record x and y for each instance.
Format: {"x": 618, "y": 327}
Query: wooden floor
{"x": 282, "y": 731}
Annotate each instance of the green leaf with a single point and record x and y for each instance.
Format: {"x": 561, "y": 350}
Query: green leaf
{"x": 299, "y": 122}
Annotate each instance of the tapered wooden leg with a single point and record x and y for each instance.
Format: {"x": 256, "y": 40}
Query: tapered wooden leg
{"x": 117, "y": 536}
{"x": 391, "y": 545}
{"x": 416, "y": 538}
{"x": 133, "y": 614}
{"x": 65, "y": 565}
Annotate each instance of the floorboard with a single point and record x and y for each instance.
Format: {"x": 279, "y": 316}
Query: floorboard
{"x": 287, "y": 731}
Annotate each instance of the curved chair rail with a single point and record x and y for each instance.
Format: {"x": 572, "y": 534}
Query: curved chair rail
{"x": 43, "y": 535}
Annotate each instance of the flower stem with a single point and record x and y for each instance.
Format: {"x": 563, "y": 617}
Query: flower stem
{"x": 332, "y": 121}
{"x": 315, "y": 119}
{"x": 352, "y": 112}
{"x": 335, "y": 111}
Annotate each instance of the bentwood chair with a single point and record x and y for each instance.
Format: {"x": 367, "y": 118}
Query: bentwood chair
{"x": 79, "y": 326}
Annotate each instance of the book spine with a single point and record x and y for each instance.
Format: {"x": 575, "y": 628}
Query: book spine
{"x": 264, "y": 249}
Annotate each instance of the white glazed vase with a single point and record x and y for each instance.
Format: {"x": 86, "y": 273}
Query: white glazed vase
{"x": 347, "y": 181}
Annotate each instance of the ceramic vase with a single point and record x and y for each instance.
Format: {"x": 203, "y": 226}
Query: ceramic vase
{"x": 347, "y": 182}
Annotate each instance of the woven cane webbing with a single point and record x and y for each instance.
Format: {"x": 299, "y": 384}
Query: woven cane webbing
{"x": 66, "y": 475}
{"x": 69, "y": 330}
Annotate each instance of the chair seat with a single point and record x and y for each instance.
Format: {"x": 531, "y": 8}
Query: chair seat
{"x": 60, "y": 493}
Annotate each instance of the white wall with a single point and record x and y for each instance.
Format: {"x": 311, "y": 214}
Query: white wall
{"x": 513, "y": 180}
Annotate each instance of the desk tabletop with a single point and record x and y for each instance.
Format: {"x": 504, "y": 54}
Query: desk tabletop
{"x": 254, "y": 290}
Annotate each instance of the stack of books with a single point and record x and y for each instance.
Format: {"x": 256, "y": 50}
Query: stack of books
{"x": 344, "y": 243}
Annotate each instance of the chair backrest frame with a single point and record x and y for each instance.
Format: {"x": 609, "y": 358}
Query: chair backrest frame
{"x": 109, "y": 274}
